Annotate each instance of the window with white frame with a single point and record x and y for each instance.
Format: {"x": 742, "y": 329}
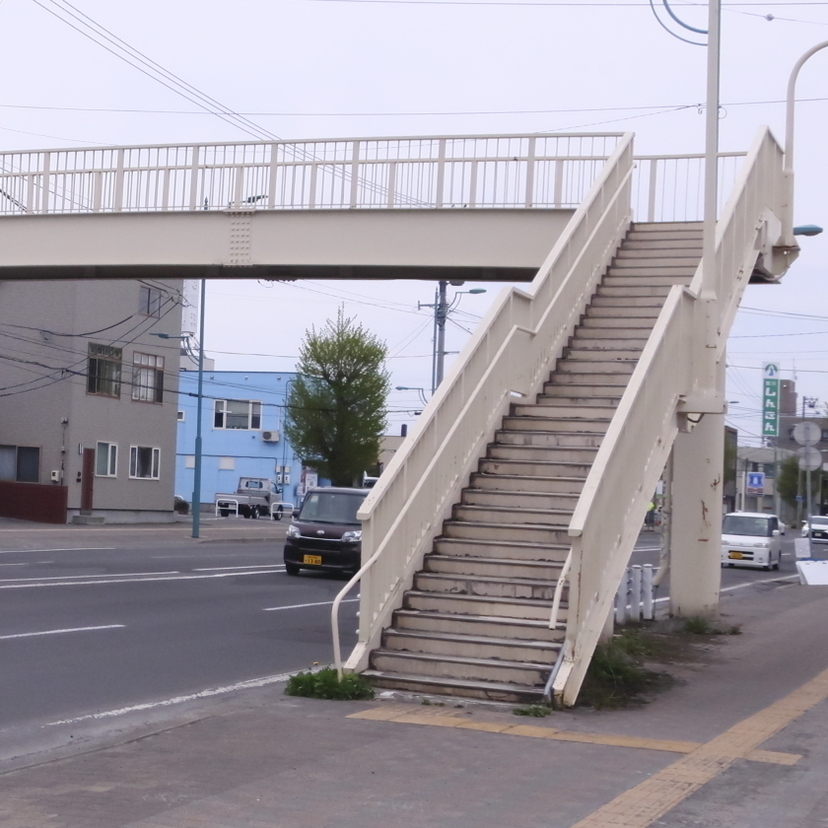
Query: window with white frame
{"x": 150, "y": 301}
{"x": 144, "y": 462}
{"x": 106, "y": 459}
{"x": 147, "y": 378}
{"x": 103, "y": 374}
{"x": 237, "y": 414}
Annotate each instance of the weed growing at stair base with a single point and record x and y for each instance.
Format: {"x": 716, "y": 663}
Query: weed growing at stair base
{"x": 616, "y": 676}
{"x": 538, "y": 711}
{"x": 325, "y": 684}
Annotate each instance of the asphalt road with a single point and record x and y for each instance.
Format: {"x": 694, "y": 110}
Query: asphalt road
{"x": 95, "y": 629}
{"x": 124, "y": 626}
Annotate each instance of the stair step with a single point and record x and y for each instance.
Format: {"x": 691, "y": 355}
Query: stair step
{"x": 569, "y": 366}
{"x": 682, "y": 244}
{"x": 633, "y": 323}
{"x": 625, "y": 311}
{"x": 616, "y": 290}
{"x": 558, "y": 398}
{"x": 525, "y": 420}
{"x": 485, "y": 691}
{"x": 605, "y": 354}
{"x": 638, "y": 276}
{"x": 523, "y": 629}
{"x": 516, "y": 436}
{"x": 472, "y": 646}
{"x": 479, "y": 605}
{"x": 490, "y": 498}
{"x": 645, "y": 301}
{"x": 554, "y": 407}
{"x": 582, "y": 341}
{"x": 587, "y": 392}
{"x": 493, "y": 530}
{"x": 457, "y": 667}
{"x": 506, "y": 514}
{"x": 535, "y": 468}
{"x": 494, "y": 549}
{"x": 491, "y": 567}
{"x": 656, "y": 256}
{"x": 619, "y": 379}
{"x": 496, "y": 451}
{"x": 486, "y": 586}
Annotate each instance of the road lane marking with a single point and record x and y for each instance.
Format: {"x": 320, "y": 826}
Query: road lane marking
{"x": 62, "y": 549}
{"x": 59, "y": 632}
{"x": 316, "y": 604}
{"x": 219, "y": 568}
{"x": 73, "y": 577}
{"x": 203, "y": 694}
{"x": 14, "y": 583}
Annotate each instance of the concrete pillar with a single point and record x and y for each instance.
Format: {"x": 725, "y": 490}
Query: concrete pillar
{"x": 698, "y": 480}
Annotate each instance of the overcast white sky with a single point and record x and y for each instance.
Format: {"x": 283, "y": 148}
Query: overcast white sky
{"x": 334, "y": 68}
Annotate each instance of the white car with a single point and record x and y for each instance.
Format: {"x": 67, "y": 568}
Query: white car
{"x": 817, "y": 525}
{"x": 751, "y": 539}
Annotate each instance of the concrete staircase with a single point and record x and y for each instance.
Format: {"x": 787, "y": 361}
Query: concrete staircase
{"x": 476, "y": 622}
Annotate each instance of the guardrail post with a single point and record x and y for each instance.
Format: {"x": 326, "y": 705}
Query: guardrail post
{"x": 194, "y": 179}
{"x": 355, "y": 175}
{"x": 635, "y": 600}
{"x": 118, "y": 197}
{"x": 441, "y": 173}
{"x": 648, "y": 604}
{"x": 530, "y": 174}
{"x": 271, "y": 184}
{"x": 44, "y": 190}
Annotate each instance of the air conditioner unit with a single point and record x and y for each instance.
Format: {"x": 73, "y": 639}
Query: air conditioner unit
{"x": 270, "y": 436}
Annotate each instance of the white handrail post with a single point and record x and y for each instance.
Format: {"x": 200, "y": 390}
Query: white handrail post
{"x": 441, "y": 172}
{"x": 355, "y": 175}
{"x": 44, "y": 190}
{"x": 530, "y": 173}
{"x": 621, "y": 600}
{"x": 194, "y": 178}
{"x": 118, "y": 199}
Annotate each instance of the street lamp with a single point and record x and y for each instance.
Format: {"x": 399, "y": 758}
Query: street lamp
{"x": 789, "y": 142}
{"x": 418, "y": 389}
{"x": 442, "y": 308}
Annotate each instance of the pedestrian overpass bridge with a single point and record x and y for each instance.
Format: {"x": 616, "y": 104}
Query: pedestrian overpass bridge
{"x": 494, "y": 542}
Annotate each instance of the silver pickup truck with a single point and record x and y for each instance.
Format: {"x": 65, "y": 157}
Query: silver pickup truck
{"x": 255, "y": 497}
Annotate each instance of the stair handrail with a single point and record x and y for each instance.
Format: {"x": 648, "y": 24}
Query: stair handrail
{"x": 556, "y": 598}
{"x": 605, "y": 523}
{"x": 507, "y": 357}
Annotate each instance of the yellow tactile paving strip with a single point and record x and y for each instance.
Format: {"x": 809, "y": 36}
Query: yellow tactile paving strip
{"x": 641, "y": 805}
{"x": 442, "y": 717}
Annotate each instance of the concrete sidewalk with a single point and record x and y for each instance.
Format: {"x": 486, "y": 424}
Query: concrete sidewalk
{"x": 741, "y": 740}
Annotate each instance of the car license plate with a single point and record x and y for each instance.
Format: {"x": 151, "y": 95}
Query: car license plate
{"x": 314, "y": 560}
{"x": 736, "y": 555}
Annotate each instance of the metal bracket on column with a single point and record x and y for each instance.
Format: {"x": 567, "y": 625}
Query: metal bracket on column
{"x": 692, "y": 407}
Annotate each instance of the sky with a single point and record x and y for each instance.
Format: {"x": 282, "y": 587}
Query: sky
{"x": 366, "y": 68}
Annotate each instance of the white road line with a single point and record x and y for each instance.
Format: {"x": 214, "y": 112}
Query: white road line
{"x": 744, "y": 585}
{"x": 302, "y": 606}
{"x": 66, "y": 549}
{"x": 122, "y": 580}
{"x": 16, "y": 564}
{"x": 216, "y": 691}
{"x": 74, "y": 577}
{"x": 220, "y": 568}
{"x": 58, "y": 632}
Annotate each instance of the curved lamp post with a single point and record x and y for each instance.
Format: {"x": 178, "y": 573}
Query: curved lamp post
{"x": 788, "y": 229}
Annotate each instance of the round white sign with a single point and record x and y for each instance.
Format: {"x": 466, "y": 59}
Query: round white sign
{"x": 810, "y": 459}
{"x": 807, "y": 433}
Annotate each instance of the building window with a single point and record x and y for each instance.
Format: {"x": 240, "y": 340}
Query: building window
{"x": 104, "y": 370}
{"x": 20, "y": 463}
{"x": 106, "y": 460}
{"x": 180, "y": 416}
{"x": 150, "y": 300}
{"x": 144, "y": 462}
{"x": 238, "y": 414}
{"x": 147, "y": 378}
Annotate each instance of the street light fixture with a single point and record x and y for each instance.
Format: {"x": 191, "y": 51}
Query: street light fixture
{"x": 442, "y": 308}
{"x": 418, "y": 389}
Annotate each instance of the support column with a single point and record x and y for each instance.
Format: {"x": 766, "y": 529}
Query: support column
{"x": 698, "y": 482}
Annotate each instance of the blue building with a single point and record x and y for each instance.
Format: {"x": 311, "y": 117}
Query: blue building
{"x": 241, "y": 431}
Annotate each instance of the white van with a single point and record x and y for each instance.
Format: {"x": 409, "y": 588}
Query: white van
{"x": 751, "y": 539}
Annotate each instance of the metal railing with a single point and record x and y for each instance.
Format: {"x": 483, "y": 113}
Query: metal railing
{"x": 448, "y": 172}
{"x": 478, "y": 171}
{"x": 616, "y": 495}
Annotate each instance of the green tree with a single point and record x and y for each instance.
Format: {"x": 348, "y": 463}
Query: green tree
{"x": 336, "y": 406}
{"x": 788, "y": 482}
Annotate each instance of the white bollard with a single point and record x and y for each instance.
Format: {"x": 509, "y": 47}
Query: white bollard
{"x": 648, "y": 604}
{"x": 635, "y": 600}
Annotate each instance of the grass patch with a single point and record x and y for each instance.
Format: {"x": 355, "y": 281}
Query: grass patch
{"x": 616, "y": 676}
{"x": 704, "y": 626}
{"x": 538, "y": 711}
{"x": 325, "y": 684}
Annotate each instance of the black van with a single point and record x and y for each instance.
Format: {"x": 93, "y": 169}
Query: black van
{"x": 326, "y": 533}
